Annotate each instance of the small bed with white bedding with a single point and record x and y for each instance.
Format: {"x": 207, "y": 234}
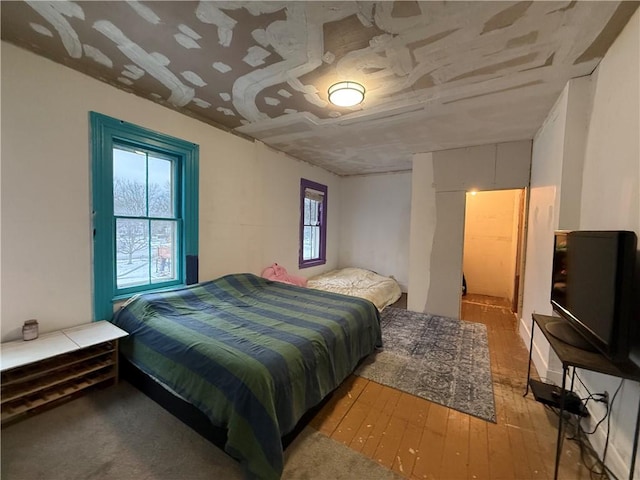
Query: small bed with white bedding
{"x": 380, "y": 290}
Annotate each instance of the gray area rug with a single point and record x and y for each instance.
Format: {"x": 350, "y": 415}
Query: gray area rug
{"x": 119, "y": 433}
{"x": 443, "y": 360}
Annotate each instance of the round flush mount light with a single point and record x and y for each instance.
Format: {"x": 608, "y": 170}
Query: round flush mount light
{"x": 346, "y": 94}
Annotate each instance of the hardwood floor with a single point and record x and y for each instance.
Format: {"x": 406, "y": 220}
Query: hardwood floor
{"x": 424, "y": 440}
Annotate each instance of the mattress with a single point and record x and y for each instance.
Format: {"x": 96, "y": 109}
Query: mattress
{"x": 381, "y": 291}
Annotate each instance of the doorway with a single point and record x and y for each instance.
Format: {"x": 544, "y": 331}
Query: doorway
{"x": 493, "y": 237}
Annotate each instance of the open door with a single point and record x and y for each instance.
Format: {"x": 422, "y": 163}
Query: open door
{"x": 518, "y": 280}
{"x": 494, "y": 223}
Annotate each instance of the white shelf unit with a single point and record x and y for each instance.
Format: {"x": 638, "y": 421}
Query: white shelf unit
{"x": 56, "y": 366}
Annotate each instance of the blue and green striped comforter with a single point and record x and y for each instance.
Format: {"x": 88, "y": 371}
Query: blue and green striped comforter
{"x": 252, "y": 354}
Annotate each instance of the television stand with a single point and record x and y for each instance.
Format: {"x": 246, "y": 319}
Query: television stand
{"x": 571, "y": 356}
{"x": 566, "y": 333}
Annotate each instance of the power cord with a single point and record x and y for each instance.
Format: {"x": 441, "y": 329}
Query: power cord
{"x": 598, "y": 397}
{"x": 584, "y": 444}
{"x": 613, "y": 399}
{"x": 598, "y": 466}
{"x": 581, "y": 382}
{"x": 604, "y": 417}
{"x": 597, "y": 470}
{"x": 590, "y": 461}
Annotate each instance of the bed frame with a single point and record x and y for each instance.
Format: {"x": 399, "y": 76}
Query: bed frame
{"x": 191, "y": 415}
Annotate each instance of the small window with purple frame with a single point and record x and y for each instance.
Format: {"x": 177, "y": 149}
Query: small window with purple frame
{"x": 313, "y": 223}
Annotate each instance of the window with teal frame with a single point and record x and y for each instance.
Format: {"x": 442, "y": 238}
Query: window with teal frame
{"x": 145, "y": 211}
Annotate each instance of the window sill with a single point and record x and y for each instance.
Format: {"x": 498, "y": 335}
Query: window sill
{"x": 119, "y": 300}
{"x": 312, "y": 263}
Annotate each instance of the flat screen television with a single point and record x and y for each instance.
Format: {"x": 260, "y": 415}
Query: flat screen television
{"x": 592, "y": 290}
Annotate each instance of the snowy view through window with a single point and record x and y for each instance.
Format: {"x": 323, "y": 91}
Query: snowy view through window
{"x": 146, "y": 225}
{"x": 311, "y": 242}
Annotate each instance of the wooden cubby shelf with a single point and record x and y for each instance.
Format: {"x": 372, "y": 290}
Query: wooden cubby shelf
{"x": 57, "y": 366}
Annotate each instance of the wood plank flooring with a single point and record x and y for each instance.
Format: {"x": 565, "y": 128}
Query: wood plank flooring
{"x": 424, "y": 440}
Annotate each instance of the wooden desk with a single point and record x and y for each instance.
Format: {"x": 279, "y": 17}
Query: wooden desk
{"x": 571, "y": 356}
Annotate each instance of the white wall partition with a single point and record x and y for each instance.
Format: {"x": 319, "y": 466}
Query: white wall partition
{"x": 249, "y": 194}
{"x": 440, "y": 180}
{"x": 445, "y": 288}
{"x": 422, "y": 231}
{"x": 374, "y": 224}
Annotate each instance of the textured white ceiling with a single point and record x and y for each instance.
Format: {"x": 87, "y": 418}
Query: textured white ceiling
{"x": 439, "y": 75}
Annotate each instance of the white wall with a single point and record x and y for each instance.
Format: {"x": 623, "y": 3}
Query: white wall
{"x": 249, "y": 194}
{"x": 490, "y": 242}
{"x": 554, "y": 204}
{"x": 609, "y": 198}
{"x": 546, "y": 174}
{"x": 577, "y": 114}
{"x": 374, "y": 224}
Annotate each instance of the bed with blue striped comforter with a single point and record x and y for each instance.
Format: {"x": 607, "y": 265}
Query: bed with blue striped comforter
{"x": 252, "y": 354}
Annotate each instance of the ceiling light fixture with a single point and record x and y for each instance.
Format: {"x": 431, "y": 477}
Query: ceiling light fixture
{"x": 346, "y": 94}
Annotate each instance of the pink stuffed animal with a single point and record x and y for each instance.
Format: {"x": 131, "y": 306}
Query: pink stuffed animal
{"x": 279, "y": 274}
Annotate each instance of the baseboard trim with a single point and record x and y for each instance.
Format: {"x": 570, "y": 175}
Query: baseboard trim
{"x": 540, "y": 361}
